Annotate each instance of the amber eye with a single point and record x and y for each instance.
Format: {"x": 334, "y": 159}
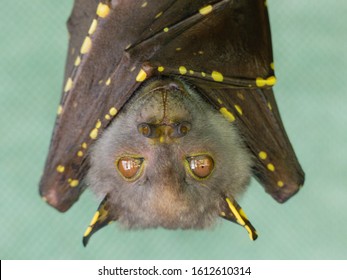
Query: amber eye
{"x": 144, "y": 129}
{"x": 129, "y": 167}
{"x": 201, "y": 166}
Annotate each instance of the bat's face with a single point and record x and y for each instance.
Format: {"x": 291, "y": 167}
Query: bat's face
{"x": 168, "y": 160}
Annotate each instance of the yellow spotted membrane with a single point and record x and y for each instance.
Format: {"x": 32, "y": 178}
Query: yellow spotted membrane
{"x": 167, "y": 110}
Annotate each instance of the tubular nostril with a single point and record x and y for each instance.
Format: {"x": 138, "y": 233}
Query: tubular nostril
{"x": 181, "y": 129}
{"x": 148, "y": 130}
{"x": 164, "y": 131}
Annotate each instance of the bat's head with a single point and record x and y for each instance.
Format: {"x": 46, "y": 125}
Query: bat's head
{"x": 168, "y": 159}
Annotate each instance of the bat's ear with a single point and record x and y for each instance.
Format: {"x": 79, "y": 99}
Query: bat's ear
{"x": 102, "y": 217}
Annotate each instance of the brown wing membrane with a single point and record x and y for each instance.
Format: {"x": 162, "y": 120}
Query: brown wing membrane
{"x": 78, "y": 24}
{"x": 228, "y": 42}
{"x": 255, "y": 113}
{"x": 221, "y": 47}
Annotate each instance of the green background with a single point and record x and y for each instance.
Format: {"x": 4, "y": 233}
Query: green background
{"x": 310, "y": 49}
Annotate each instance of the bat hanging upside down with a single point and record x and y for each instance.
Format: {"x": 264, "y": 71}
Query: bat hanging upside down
{"x": 167, "y": 112}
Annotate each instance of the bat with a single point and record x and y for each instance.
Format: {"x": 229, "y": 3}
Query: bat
{"x": 167, "y": 111}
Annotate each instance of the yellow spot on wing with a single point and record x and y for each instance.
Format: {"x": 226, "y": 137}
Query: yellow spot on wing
{"x": 159, "y": 15}
{"x": 166, "y": 29}
{"x": 94, "y": 133}
{"x": 272, "y": 66}
{"x": 269, "y": 105}
{"x": 86, "y": 46}
{"x": 178, "y": 49}
{"x": 228, "y": 115}
{"x": 92, "y": 27}
{"x": 141, "y": 76}
{"x": 262, "y": 155}
{"x": 260, "y": 82}
{"x": 280, "y": 184}
{"x": 68, "y": 85}
{"x": 270, "y": 81}
{"x": 271, "y": 167}
{"x": 60, "y": 168}
{"x": 74, "y": 183}
{"x": 206, "y": 10}
{"x": 108, "y": 82}
{"x": 84, "y": 145}
{"x": 238, "y": 109}
{"x": 182, "y": 70}
{"x": 102, "y": 10}
{"x": 144, "y": 4}
{"x": 60, "y": 109}
{"x": 113, "y": 111}
{"x": 98, "y": 124}
{"x": 217, "y": 76}
{"x": 107, "y": 117}
{"x": 160, "y": 68}
{"x": 203, "y": 74}
{"x": 80, "y": 154}
{"x": 191, "y": 72}
{"x": 77, "y": 61}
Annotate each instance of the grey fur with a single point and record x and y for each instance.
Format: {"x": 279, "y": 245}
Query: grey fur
{"x": 166, "y": 195}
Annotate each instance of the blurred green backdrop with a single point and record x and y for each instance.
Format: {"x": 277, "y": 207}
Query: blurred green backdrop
{"x": 310, "y": 43}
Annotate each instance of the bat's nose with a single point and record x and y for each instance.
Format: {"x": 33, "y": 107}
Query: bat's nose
{"x": 164, "y": 133}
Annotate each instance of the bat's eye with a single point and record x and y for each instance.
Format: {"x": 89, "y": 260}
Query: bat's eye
{"x": 129, "y": 167}
{"x": 201, "y": 166}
